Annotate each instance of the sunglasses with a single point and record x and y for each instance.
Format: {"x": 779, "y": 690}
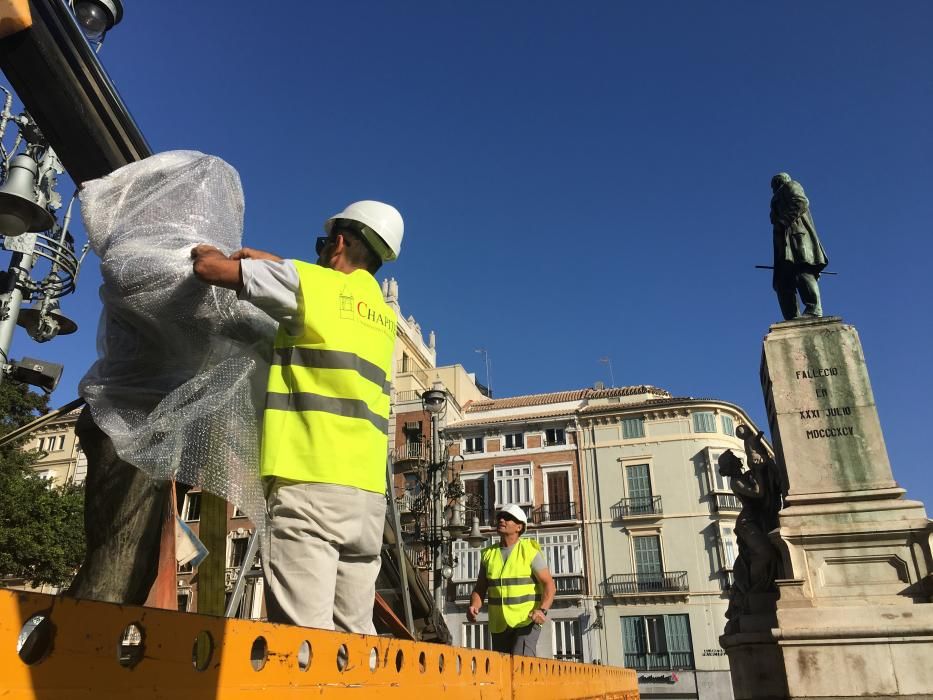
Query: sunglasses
{"x": 507, "y": 516}
{"x": 320, "y": 243}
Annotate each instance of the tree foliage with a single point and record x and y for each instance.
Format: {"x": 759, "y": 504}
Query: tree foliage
{"x": 41, "y": 525}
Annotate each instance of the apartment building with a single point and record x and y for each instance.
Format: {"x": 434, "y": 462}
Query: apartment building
{"x": 637, "y": 525}
{"x": 64, "y": 461}
{"x": 523, "y": 450}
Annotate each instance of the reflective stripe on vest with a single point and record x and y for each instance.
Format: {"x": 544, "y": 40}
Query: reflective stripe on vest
{"x": 512, "y": 590}
{"x": 327, "y": 401}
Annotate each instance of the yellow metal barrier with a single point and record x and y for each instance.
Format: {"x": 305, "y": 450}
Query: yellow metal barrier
{"x": 86, "y": 650}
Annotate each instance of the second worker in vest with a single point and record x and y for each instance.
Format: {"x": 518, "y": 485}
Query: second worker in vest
{"x": 521, "y": 590}
{"x": 324, "y": 437}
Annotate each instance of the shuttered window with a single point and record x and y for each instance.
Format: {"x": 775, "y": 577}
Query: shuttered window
{"x": 704, "y": 422}
{"x": 657, "y": 642}
{"x": 633, "y": 428}
{"x": 728, "y": 426}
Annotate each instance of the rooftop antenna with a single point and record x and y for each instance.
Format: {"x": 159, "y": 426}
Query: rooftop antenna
{"x": 608, "y": 361}
{"x": 488, "y": 378}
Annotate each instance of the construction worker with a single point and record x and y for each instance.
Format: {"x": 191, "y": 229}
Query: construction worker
{"x": 513, "y": 571}
{"x": 325, "y": 424}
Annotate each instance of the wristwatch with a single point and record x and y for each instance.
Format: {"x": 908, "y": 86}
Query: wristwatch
{"x": 543, "y": 611}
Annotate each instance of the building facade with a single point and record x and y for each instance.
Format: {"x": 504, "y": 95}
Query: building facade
{"x": 637, "y": 525}
{"x": 63, "y": 460}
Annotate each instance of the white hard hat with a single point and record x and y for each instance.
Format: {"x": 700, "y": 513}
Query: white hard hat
{"x": 383, "y": 227}
{"x": 515, "y": 511}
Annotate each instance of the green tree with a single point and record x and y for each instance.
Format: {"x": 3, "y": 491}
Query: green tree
{"x": 41, "y": 526}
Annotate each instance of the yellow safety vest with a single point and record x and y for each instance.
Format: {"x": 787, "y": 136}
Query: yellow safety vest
{"x": 512, "y": 589}
{"x": 327, "y": 404}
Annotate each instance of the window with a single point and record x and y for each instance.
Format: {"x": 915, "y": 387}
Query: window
{"x": 633, "y": 428}
{"x": 728, "y": 425}
{"x": 474, "y": 444}
{"x": 514, "y": 441}
{"x": 559, "y": 505}
{"x": 562, "y": 551}
{"x": 567, "y": 643}
{"x": 648, "y": 567}
{"x": 718, "y": 482}
{"x": 555, "y": 436}
{"x": 192, "y": 508}
{"x": 704, "y": 422}
{"x": 237, "y": 513}
{"x": 513, "y": 485}
{"x": 657, "y": 642}
{"x": 476, "y": 636}
{"x": 638, "y": 482}
{"x": 476, "y": 500}
{"x": 184, "y": 598}
{"x": 468, "y": 559}
{"x": 185, "y": 568}
{"x": 238, "y": 547}
{"x": 730, "y": 547}
{"x": 80, "y": 467}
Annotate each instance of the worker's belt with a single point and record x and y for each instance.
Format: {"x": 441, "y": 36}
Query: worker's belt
{"x": 332, "y": 359}
{"x": 349, "y": 408}
{"x": 513, "y": 600}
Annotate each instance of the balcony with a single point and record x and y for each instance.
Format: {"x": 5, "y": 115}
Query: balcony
{"x": 462, "y": 591}
{"x": 554, "y": 512}
{"x": 412, "y": 452}
{"x": 419, "y": 374}
{"x": 569, "y": 584}
{"x": 406, "y": 396}
{"x": 726, "y": 503}
{"x": 640, "y": 507}
{"x": 664, "y": 661}
{"x": 660, "y": 585}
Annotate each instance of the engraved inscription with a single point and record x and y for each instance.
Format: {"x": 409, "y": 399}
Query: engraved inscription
{"x": 822, "y": 392}
{"x": 830, "y": 432}
{"x": 814, "y": 372}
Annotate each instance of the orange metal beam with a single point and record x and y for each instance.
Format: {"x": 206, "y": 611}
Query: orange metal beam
{"x": 82, "y": 658}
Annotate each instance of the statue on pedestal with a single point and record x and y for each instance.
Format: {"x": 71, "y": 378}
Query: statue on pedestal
{"x": 759, "y": 489}
{"x": 798, "y": 254}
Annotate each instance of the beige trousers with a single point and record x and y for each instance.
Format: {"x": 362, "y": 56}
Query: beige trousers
{"x": 324, "y": 555}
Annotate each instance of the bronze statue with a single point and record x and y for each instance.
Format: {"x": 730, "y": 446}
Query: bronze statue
{"x": 759, "y": 490}
{"x": 798, "y": 254}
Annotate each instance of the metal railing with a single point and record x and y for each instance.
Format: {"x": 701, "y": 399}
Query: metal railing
{"x": 420, "y": 451}
{"x": 553, "y": 512}
{"x": 416, "y": 372}
{"x": 409, "y": 395}
{"x": 462, "y": 591}
{"x": 726, "y": 503}
{"x": 636, "y": 584}
{"x": 664, "y": 661}
{"x": 636, "y": 507}
{"x": 569, "y": 584}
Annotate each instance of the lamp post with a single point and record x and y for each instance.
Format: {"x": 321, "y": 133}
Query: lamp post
{"x": 31, "y": 233}
{"x": 434, "y": 402}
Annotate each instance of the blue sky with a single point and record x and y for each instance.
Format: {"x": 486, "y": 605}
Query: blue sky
{"x": 578, "y": 180}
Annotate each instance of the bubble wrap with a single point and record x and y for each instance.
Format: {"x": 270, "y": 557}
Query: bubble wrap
{"x": 180, "y": 379}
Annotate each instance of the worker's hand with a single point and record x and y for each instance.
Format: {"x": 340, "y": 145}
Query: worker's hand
{"x": 203, "y": 250}
{"x": 538, "y": 617}
{"x": 253, "y": 254}
{"x": 472, "y": 612}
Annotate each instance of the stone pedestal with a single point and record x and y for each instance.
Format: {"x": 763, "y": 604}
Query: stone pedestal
{"x": 853, "y": 617}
